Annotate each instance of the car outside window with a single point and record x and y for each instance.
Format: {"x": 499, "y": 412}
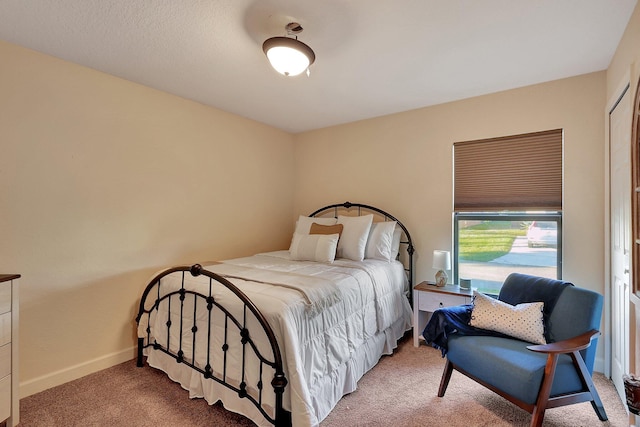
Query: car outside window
{"x": 542, "y": 233}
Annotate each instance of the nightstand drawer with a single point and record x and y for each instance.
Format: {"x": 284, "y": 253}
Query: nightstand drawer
{"x": 431, "y": 301}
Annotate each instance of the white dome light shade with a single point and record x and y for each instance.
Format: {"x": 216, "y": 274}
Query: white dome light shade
{"x": 288, "y": 56}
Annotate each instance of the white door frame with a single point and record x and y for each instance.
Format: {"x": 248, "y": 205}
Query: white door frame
{"x": 623, "y": 87}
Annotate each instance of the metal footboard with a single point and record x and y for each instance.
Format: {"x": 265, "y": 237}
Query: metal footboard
{"x": 235, "y": 328}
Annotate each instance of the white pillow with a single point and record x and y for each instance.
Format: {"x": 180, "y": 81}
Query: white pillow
{"x": 395, "y": 245}
{"x": 380, "y": 241}
{"x": 314, "y": 247}
{"x": 304, "y": 223}
{"x": 522, "y": 321}
{"x": 354, "y": 236}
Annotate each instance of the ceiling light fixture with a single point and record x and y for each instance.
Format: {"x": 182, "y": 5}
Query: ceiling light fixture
{"x": 289, "y": 56}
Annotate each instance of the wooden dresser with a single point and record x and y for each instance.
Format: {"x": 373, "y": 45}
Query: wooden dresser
{"x": 9, "y": 397}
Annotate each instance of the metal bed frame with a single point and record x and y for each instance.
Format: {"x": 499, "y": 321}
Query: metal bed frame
{"x": 152, "y": 298}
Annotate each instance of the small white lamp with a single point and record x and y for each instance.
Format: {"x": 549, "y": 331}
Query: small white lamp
{"x": 442, "y": 263}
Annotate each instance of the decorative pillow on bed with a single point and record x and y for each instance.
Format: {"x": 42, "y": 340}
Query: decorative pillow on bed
{"x": 326, "y": 229}
{"x": 395, "y": 245}
{"x": 522, "y": 321}
{"x": 303, "y": 225}
{"x": 380, "y": 241}
{"x": 314, "y": 247}
{"x": 354, "y": 236}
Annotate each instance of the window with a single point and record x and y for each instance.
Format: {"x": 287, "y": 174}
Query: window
{"x": 508, "y": 208}
{"x": 489, "y": 246}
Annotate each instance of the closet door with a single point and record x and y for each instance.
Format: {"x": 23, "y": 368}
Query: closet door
{"x": 635, "y": 194}
{"x": 620, "y": 202}
{"x": 634, "y": 344}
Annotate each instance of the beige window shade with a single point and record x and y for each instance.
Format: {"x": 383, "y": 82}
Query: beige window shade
{"x": 520, "y": 172}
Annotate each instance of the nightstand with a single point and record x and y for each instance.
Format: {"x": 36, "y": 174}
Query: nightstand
{"x": 427, "y": 298}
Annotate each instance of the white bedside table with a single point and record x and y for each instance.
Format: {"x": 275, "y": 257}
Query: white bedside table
{"x": 427, "y": 298}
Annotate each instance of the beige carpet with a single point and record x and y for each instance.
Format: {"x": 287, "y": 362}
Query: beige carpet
{"x": 399, "y": 391}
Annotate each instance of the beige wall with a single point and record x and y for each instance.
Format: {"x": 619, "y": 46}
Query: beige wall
{"x": 626, "y": 61}
{"x": 103, "y": 182}
{"x": 403, "y": 163}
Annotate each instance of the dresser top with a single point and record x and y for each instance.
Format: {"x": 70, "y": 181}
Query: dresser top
{"x": 7, "y": 277}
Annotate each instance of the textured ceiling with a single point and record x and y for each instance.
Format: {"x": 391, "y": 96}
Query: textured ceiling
{"x": 373, "y": 57}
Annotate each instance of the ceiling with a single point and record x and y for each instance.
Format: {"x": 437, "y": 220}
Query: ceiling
{"x": 372, "y": 57}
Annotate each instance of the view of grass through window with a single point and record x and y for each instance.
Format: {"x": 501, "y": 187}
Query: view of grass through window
{"x": 489, "y": 250}
{"x": 488, "y": 240}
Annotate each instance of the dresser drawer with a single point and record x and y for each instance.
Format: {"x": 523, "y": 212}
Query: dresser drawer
{"x": 431, "y": 301}
{"x": 5, "y": 360}
{"x": 5, "y": 328}
{"x": 5, "y": 398}
{"x": 5, "y": 297}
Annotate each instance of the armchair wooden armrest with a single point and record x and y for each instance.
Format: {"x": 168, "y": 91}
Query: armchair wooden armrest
{"x": 567, "y": 346}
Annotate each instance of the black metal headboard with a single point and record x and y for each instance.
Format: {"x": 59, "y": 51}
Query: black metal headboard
{"x": 405, "y": 240}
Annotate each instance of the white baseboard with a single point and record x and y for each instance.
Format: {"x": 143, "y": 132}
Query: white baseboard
{"x": 36, "y": 385}
{"x": 598, "y": 365}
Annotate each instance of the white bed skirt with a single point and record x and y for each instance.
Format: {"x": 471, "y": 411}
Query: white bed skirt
{"x": 324, "y": 395}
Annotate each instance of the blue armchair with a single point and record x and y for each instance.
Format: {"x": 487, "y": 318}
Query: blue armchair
{"x": 536, "y": 377}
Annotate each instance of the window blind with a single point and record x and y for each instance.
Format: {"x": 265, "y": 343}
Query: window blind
{"x": 520, "y": 172}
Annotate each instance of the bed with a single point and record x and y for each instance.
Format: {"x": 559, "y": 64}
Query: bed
{"x": 281, "y": 336}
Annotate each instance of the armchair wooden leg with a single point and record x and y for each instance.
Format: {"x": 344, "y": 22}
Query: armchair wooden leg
{"x": 596, "y": 403}
{"x": 446, "y": 376}
{"x": 545, "y": 390}
{"x": 597, "y": 406}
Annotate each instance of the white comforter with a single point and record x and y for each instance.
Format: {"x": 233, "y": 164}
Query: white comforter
{"x": 332, "y": 323}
